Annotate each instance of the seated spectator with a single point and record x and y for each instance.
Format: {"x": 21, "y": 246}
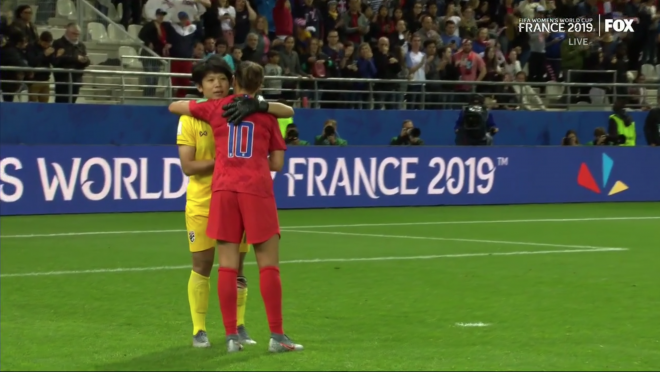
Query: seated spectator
{"x": 40, "y": 55}
{"x": 221, "y": 49}
{"x": 198, "y": 51}
{"x": 570, "y": 139}
{"x": 529, "y": 100}
{"x": 209, "y": 47}
{"x": 291, "y": 136}
{"x": 409, "y": 135}
{"x": 330, "y": 136}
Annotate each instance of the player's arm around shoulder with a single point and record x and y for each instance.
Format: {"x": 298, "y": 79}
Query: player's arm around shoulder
{"x": 202, "y": 109}
{"x": 187, "y": 141}
{"x": 279, "y": 110}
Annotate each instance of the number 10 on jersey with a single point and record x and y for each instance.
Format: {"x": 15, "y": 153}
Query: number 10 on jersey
{"x": 241, "y": 138}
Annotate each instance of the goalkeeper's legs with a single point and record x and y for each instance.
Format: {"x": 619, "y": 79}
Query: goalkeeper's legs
{"x": 198, "y": 293}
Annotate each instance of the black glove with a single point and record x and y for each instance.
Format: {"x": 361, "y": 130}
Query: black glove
{"x": 242, "y": 107}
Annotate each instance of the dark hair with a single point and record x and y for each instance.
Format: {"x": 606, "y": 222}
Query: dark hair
{"x": 15, "y": 37}
{"x": 219, "y": 42}
{"x": 449, "y": 22}
{"x": 213, "y": 65}
{"x": 249, "y": 76}
{"x": 20, "y": 9}
{"x": 291, "y": 126}
{"x": 272, "y": 53}
{"x": 46, "y": 36}
{"x": 429, "y": 42}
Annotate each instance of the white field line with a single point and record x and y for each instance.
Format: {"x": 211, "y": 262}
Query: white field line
{"x": 481, "y": 241}
{"x": 320, "y": 260}
{"x": 287, "y": 228}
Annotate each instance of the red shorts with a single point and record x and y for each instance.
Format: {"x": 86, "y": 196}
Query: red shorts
{"x": 231, "y": 214}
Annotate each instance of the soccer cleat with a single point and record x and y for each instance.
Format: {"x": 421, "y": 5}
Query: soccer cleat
{"x": 244, "y": 337}
{"x": 233, "y": 345}
{"x": 201, "y": 340}
{"x": 282, "y": 344}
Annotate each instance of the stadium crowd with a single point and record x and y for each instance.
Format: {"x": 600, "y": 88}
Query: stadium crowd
{"x": 412, "y": 40}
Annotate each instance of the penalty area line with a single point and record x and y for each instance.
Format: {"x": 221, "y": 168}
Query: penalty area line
{"x": 311, "y": 261}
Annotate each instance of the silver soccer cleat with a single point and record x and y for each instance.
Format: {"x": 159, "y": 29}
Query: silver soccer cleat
{"x": 201, "y": 340}
{"x": 244, "y": 337}
{"x": 282, "y": 344}
{"x": 233, "y": 345}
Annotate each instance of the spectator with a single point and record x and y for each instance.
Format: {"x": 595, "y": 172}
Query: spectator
{"x": 409, "y": 135}
{"x": 451, "y": 15}
{"x": 482, "y": 15}
{"x": 291, "y": 136}
{"x": 348, "y": 69}
{"x": 199, "y": 51}
{"x": 267, "y": 25}
{"x": 432, "y": 11}
{"x": 415, "y": 61}
{"x": 70, "y": 53}
{"x": 400, "y": 38}
{"x": 384, "y": 25}
{"x": 493, "y": 70}
{"x": 366, "y": 70}
{"x": 652, "y": 126}
{"x": 372, "y": 35}
{"x": 387, "y": 68}
{"x": 432, "y": 72}
{"x": 221, "y": 49}
{"x": 273, "y": 85}
{"x": 448, "y": 71}
{"x": 468, "y": 27}
{"x": 470, "y": 66}
{"x": 245, "y": 15}
{"x": 427, "y": 32}
{"x": 313, "y": 61}
{"x": 290, "y": 63}
{"x": 356, "y": 25}
{"x": 570, "y": 139}
{"x": 650, "y": 48}
{"x": 211, "y": 21}
{"x": 639, "y": 97}
{"x": 397, "y": 15}
{"x": 413, "y": 21}
{"x": 537, "y": 56}
{"x": 23, "y": 23}
{"x": 312, "y": 16}
{"x": 333, "y": 48}
{"x": 209, "y": 47}
{"x": 512, "y": 65}
{"x": 181, "y": 41}
{"x": 12, "y": 55}
{"x": 283, "y": 19}
{"x": 227, "y": 17}
{"x": 481, "y": 42}
{"x": 236, "y": 56}
{"x": 553, "y": 51}
{"x": 263, "y": 40}
{"x": 39, "y": 55}
{"x": 529, "y": 100}
{"x": 132, "y": 12}
{"x": 330, "y": 136}
{"x": 507, "y": 99}
{"x": 600, "y": 138}
{"x": 332, "y": 20}
{"x": 251, "y": 51}
{"x": 449, "y": 37}
{"x": 153, "y": 35}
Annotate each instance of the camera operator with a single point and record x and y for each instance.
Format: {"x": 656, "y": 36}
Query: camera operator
{"x": 291, "y": 136}
{"x": 475, "y": 125}
{"x": 330, "y": 136}
{"x": 409, "y": 136}
{"x": 621, "y": 127}
{"x": 600, "y": 138}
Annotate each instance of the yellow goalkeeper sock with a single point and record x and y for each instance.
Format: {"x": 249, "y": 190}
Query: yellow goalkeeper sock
{"x": 199, "y": 287}
{"x": 242, "y": 303}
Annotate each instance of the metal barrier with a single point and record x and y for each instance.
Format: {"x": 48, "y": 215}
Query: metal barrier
{"x": 125, "y": 86}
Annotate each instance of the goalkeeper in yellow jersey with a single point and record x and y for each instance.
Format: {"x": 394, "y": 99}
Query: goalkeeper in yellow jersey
{"x": 197, "y": 154}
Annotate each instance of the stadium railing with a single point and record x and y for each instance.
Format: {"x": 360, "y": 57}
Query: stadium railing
{"x": 128, "y": 86}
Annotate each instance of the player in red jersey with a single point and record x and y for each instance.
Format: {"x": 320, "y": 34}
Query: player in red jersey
{"x": 243, "y": 200}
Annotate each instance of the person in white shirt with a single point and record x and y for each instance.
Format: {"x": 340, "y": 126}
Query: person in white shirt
{"x": 227, "y": 17}
{"x": 415, "y": 61}
{"x": 529, "y": 100}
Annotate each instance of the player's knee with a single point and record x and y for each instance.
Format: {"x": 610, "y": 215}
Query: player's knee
{"x": 268, "y": 252}
{"x": 203, "y": 262}
{"x": 228, "y": 255}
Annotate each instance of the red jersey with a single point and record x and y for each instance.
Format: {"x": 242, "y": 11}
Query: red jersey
{"x": 241, "y": 151}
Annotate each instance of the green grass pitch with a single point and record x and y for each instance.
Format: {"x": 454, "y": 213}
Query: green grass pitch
{"x": 552, "y": 287}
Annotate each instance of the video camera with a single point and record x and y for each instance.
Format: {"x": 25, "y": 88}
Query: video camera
{"x": 329, "y": 131}
{"x": 291, "y": 136}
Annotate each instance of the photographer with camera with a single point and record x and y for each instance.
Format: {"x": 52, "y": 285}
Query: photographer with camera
{"x": 409, "y": 136}
{"x": 475, "y": 125}
{"x": 291, "y": 136}
{"x": 330, "y": 136}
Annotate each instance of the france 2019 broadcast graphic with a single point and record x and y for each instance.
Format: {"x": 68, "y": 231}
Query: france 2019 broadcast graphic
{"x": 587, "y": 180}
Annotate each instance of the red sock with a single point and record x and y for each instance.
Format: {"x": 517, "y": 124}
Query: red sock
{"x": 271, "y": 291}
{"x": 228, "y": 294}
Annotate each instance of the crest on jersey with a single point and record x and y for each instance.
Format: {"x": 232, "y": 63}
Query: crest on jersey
{"x": 191, "y": 236}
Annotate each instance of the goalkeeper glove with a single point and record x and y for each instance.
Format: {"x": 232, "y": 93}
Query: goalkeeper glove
{"x": 242, "y": 107}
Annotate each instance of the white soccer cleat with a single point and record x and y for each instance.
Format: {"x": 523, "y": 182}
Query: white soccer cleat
{"x": 282, "y": 344}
